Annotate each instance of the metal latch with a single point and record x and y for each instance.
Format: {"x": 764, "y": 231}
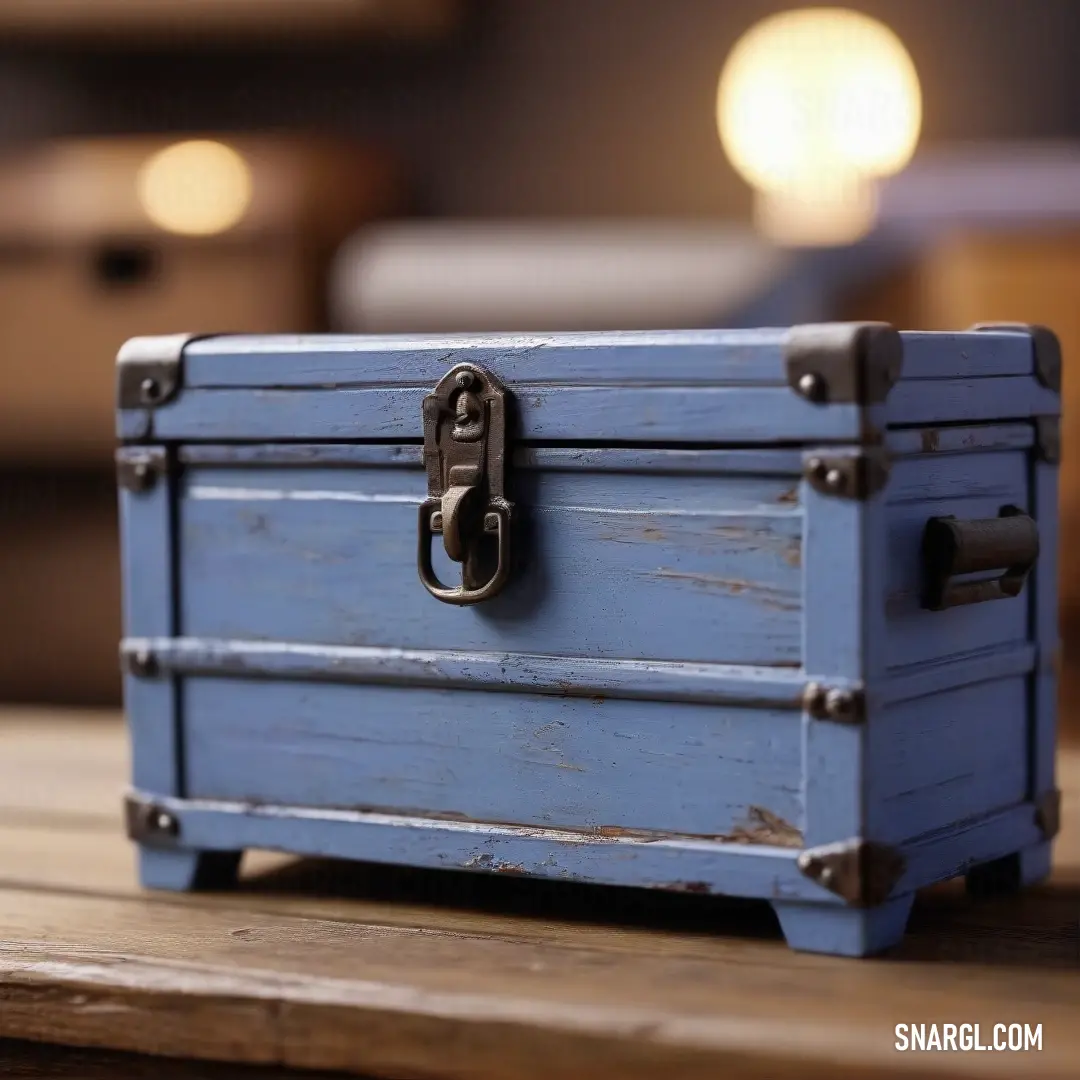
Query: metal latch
{"x": 465, "y": 457}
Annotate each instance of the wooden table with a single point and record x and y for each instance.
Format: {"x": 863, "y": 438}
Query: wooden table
{"x": 400, "y": 974}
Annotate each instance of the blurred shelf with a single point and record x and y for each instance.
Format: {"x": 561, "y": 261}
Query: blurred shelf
{"x": 187, "y": 20}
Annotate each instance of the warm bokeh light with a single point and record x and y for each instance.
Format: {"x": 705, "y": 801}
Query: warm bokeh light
{"x": 195, "y": 188}
{"x": 839, "y": 211}
{"x": 815, "y": 103}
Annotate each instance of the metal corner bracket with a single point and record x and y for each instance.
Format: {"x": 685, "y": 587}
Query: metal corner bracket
{"x": 862, "y": 872}
{"x": 148, "y": 823}
{"x": 1048, "y": 439}
{"x": 1047, "y": 350}
{"x": 849, "y": 475}
{"x": 137, "y": 659}
{"x": 1048, "y": 813}
{"x": 855, "y": 363}
{"x": 139, "y": 470}
{"x": 148, "y": 370}
{"x": 840, "y": 704}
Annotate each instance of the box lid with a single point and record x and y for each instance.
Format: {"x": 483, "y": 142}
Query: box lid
{"x": 842, "y": 382}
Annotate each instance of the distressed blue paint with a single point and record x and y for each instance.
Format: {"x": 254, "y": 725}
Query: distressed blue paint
{"x": 945, "y": 758}
{"x": 938, "y": 676}
{"x": 553, "y": 459}
{"x": 682, "y": 575}
{"x": 707, "y": 684}
{"x": 681, "y": 865}
{"x": 952, "y": 852}
{"x": 146, "y": 537}
{"x": 844, "y": 931}
{"x": 907, "y": 442}
{"x": 939, "y": 401}
{"x": 834, "y": 645}
{"x": 740, "y": 357}
{"x": 527, "y": 759}
{"x": 627, "y": 565}
{"x": 671, "y": 414}
{"x": 693, "y": 357}
{"x": 935, "y": 354}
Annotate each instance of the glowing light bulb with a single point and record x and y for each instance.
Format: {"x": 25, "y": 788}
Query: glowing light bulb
{"x": 812, "y": 107}
{"x": 195, "y": 188}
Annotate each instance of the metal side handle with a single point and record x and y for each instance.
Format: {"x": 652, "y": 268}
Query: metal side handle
{"x": 953, "y": 547}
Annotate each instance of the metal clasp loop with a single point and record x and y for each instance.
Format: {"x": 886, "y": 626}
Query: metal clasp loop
{"x": 497, "y": 521}
{"x": 465, "y": 457}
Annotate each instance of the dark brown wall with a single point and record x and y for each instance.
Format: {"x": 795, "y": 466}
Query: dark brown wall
{"x": 558, "y": 106}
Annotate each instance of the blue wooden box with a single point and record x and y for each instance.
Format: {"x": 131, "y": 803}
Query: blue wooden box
{"x": 761, "y": 613}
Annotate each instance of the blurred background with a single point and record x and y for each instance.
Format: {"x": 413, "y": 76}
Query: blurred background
{"x": 445, "y": 165}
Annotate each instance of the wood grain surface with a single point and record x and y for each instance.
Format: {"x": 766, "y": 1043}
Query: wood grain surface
{"x": 392, "y": 973}
{"x": 21, "y": 1060}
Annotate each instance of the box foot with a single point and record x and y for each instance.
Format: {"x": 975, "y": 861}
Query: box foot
{"x": 180, "y": 870}
{"x": 1011, "y": 873}
{"x": 843, "y": 931}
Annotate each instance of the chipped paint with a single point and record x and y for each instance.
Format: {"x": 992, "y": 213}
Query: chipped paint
{"x": 762, "y": 826}
{"x": 789, "y": 548}
{"x": 486, "y": 861}
{"x": 930, "y": 440}
{"x": 697, "y": 887}
{"x": 767, "y": 595}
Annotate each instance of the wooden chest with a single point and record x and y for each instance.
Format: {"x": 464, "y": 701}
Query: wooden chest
{"x": 751, "y": 613}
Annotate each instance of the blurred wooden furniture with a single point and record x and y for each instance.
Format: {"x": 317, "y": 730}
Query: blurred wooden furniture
{"x": 106, "y": 239}
{"x": 243, "y": 19}
{"x": 1000, "y": 275}
{"x": 87, "y": 260}
{"x": 60, "y": 584}
{"x": 370, "y": 970}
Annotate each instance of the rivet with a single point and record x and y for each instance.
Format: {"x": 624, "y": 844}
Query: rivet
{"x": 491, "y": 522}
{"x": 827, "y": 875}
{"x": 834, "y": 479}
{"x": 840, "y": 704}
{"x": 436, "y": 521}
{"x": 150, "y": 390}
{"x": 465, "y": 379}
{"x": 814, "y": 699}
{"x": 812, "y": 386}
{"x": 816, "y": 467}
{"x": 163, "y": 822}
{"x": 143, "y": 663}
{"x": 144, "y": 475}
